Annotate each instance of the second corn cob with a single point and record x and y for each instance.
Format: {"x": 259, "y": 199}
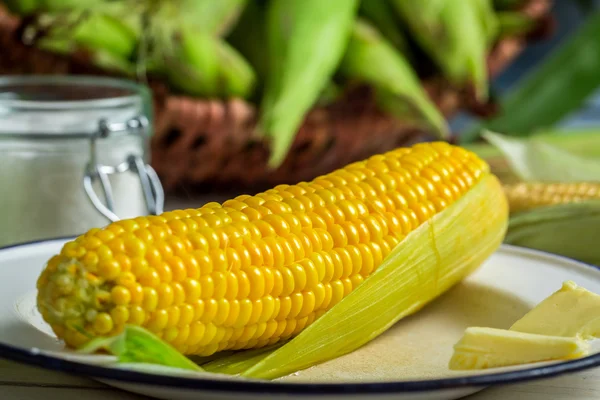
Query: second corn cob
{"x": 528, "y": 195}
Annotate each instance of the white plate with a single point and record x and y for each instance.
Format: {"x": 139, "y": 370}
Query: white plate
{"x": 407, "y": 362}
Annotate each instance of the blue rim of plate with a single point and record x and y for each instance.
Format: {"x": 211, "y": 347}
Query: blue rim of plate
{"x": 32, "y": 357}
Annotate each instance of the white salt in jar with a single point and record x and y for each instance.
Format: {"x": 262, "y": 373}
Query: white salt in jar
{"x": 73, "y": 156}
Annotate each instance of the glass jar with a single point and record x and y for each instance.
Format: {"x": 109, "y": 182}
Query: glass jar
{"x": 73, "y": 155}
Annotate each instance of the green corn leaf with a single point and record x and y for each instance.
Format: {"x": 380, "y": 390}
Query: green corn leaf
{"x": 191, "y": 63}
{"x": 488, "y": 18}
{"x": 306, "y": 40}
{"x": 515, "y": 23}
{"x": 534, "y": 160}
{"x": 21, "y": 7}
{"x": 453, "y": 35}
{"x": 210, "y": 16}
{"x": 137, "y": 345}
{"x": 570, "y": 230}
{"x": 236, "y": 77}
{"x": 584, "y": 142}
{"x": 63, "y": 5}
{"x": 249, "y": 37}
{"x": 239, "y": 362}
{"x": 558, "y": 86}
{"x": 508, "y": 4}
{"x": 381, "y": 14}
{"x": 372, "y": 59}
{"x": 107, "y": 33}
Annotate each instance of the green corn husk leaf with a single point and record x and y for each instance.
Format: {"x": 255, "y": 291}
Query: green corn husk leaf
{"x": 428, "y": 262}
{"x": 204, "y": 65}
{"x": 306, "y": 40}
{"x": 21, "y": 7}
{"x": 56, "y": 45}
{"x": 109, "y": 62}
{"x": 239, "y": 362}
{"x": 191, "y": 52}
{"x": 249, "y": 37}
{"x": 103, "y": 59}
{"x": 488, "y": 18}
{"x": 570, "y": 230}
{"x": 535, "y": 160}
{"x": 581, "y": 142}
{"x": 508, "y": 4}
{"x": 157, "y": 369}
{"x": 210, "y": 16}
{"x": 584, "y": 142}
{"x": 106, "y": 33}
{"x": 192, "y": 63}
{"x": 68, "y": 5}
{"x": 104, "y": 27}
{"x": 236, "y": 76}
{"x": 452, "y": 34}
{"x": 381, "y": 15}
{"x": 371, "y": 59}
{"x": 555, "y": 88}
{"x": 137, "y": 345}
{"x": 515, "y": 24}
{"x": 330, "y": 93}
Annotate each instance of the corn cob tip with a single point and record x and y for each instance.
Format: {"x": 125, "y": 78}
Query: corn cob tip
{"x": 76, "y": 302}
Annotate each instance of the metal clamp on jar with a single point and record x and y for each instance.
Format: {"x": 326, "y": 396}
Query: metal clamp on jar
{"x": 73, "y": 156}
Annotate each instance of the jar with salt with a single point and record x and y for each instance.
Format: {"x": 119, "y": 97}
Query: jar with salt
{"x": 73, "y": 156}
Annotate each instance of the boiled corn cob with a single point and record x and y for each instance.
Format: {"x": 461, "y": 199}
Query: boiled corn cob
{"x": 257, "y": 270}
{"x": 524, "y": 196}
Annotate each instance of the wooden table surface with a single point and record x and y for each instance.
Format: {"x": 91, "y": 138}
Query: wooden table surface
{"x": 22, "y": 382}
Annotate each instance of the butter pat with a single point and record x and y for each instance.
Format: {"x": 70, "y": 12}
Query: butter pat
{"x": 571, "y": 311}
{"x": 482, "y": 348}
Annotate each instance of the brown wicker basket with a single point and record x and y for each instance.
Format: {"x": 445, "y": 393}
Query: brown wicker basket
{"x": 202, "y": 145}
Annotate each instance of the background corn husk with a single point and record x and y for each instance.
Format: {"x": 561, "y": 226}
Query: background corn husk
{"x": 203, "y": 145}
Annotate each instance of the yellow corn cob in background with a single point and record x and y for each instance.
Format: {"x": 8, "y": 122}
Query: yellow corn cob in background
{"x": 527, "y": 195}
{"x": 257, "y": 269}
